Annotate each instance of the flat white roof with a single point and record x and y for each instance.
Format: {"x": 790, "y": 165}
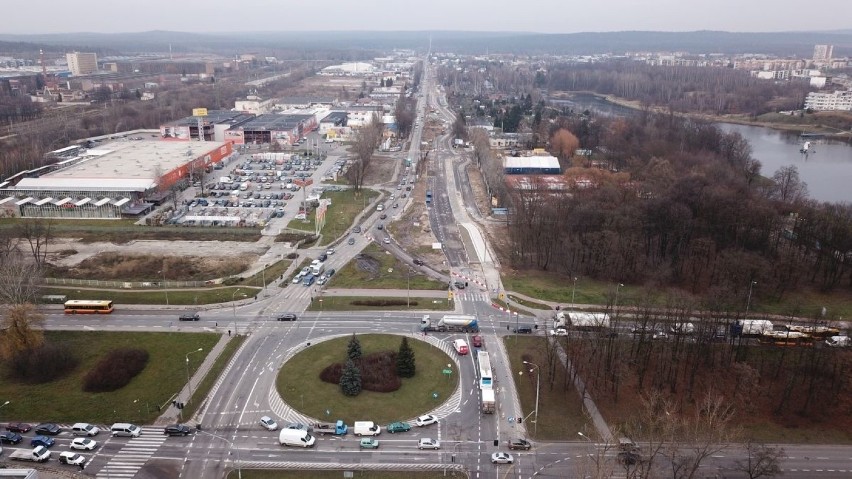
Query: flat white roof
{"x": 531, "y": 162}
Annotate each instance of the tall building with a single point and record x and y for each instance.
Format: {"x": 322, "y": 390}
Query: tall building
{"x": 82, "y": 63}
{"x": 822, "y": 53}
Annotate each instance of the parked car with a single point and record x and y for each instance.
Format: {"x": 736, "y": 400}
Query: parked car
{"x": 189, "y": 317}
{"x": 18, "y": 427}
{"x": 425, "y": 420}
{"x": 428, "y": 443}
{"x": 10, "y": 437}
{"x": 398, "y": 426}
{"x": 521, "y": 444}
{"x": 42, "y": 441}
{"x": 286, "y": 317}
{"x": 369, "y": 443}
{"x": 268, "y": 423}
{"x": 83, "y": 444}
{"x": 177, "y": 430}
{"x": 48, "y": 429}
{"x": 502, "y": 458}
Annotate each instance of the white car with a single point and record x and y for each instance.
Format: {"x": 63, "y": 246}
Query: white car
{"x": 425, "y": 420}
{"x": 427, "y": 443}
{"x": 502, "y": 458}
{"x": 387, "y": 240}
{"x": 83, "y": 444}
{"x": 330, "y": 251}
{"x": 297, "y": 279}
{"x": 268, "y": 423}
{"x": 558, "y": 332}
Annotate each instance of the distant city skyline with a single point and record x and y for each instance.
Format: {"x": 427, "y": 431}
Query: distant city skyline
{"x": 536, "y": 16}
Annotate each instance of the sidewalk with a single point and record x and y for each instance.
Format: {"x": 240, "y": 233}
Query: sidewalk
{"x": 394, "y": 293}
{"x": 588, "y": 403}
{"x": 172, "y": 414}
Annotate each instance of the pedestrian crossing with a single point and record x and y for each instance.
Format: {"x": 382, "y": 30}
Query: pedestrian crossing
{"x": 133, "y": 455}
{"x": 473, "y": 296}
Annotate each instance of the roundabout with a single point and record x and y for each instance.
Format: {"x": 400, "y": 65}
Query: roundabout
{"x": 305, "y": 397}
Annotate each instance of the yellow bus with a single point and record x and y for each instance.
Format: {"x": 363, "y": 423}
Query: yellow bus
{"x": 84, "y": 306}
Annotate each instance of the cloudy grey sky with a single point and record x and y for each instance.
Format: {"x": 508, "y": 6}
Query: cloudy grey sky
{"x": 548, "y": 16}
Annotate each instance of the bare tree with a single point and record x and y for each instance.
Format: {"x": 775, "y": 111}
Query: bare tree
{"x": 37, "y": 232}
{"x": 21, "y": 328}
{"x": 22, "y": 280}
{"x": 761, "y": 460}
{"x": 367, "y": 139}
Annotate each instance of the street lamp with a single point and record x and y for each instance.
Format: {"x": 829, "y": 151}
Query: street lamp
{"x": 615, "y": 306}
{"x": 188, "y": 379}
{"x": 164, "y": 285}
{"x": 263, "y": 276}
{"x": 5, "y": 403}
{"x": 239, "y": 471}
{"x": 408, "y": 288}
{"x": 234, "y": 304}
{"x": 748, "y": 302}
{"x": 537, "y": 389}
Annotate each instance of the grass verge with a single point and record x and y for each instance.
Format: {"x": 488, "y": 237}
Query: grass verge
{"x": 529, "y": 304}
{"x": 346, "y": 303}
{"x": 324, "y": 474}
{"x": 300, "y": 386}
{"x": 560, "y": 411}
{"x": 209, "y": 380}
{"x": 504, "y": 305}
{"x": 386, "y": 272}
{"x": 123, "y": 231}
{"x": 64, "y": 401}
{"x": 340, "y": 216}
{"x": 189, "y": 297}
{"x": 269, "y": 274}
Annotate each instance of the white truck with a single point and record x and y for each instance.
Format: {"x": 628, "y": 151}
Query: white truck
{"x": 366, "y": 428}
{"x": 450, "y": 322}
{"x": 39, "y": 454}
{"x": 489, "y": 403}
{"x": 581, "y": 320}
{"x": 317, "y": 268}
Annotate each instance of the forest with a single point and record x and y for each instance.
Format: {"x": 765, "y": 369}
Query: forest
{"x": 672, "y": 201}
{"x": 707, "y": 90}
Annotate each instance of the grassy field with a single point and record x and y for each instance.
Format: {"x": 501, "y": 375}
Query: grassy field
{"x": 560, "y": 412}
{"x": 301, "y": 474}
{"x": 189, "y": 297}
{"x": 340, "y": 216}
{"x": 200, "y": 391}
{"x": 344, "y": 303}
{"x": 123, "y": 231}
{"x": 803, "y": 302}
{"x": 64, "y": 400}
{"x": 503, "y": 304}
{"x": 299, "y": 384}
{"x": 270, "y": 274}
{"x": 529, "y": 304}
{"x": 391, "y": 274}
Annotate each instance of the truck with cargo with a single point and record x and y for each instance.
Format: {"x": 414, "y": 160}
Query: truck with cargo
{"x": 581, "y": 320}
{"x": 489, "y": 403}
{"x": 337, "y": 429}
{"x": 463, "y": 323}
{"x": 39, "y": 454}
{"x": 317, "y": 268}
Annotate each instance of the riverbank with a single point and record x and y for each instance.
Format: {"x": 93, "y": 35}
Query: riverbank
{"x": 829, "y": 131}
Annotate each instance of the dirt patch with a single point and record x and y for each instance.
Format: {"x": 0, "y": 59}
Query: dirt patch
{"x": 413, "y": 231}
{"x": 381, "y": 170}
{"x": 368, "y": 264}
{"x": 115, "y": 266}
{"x": 480, "y": 194}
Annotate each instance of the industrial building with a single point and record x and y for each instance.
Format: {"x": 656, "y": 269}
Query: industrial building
{"x": 213, "y": 125}
{"x": 271, "y": 128}
{"x": 113, "y": 180}
{"x": 82, "y": 63}
{"x": 531, "y": 165}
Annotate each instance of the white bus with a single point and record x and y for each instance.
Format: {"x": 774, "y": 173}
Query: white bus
{"x": 486, "y": 380}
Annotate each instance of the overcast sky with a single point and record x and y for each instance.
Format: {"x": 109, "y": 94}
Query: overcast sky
{"x": 547, "y": 16}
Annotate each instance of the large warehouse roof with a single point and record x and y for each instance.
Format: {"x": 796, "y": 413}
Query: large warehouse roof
{"x": 273, "y": 122}
{"x": 121, "y": 166}
{"x": 531, "y": 162}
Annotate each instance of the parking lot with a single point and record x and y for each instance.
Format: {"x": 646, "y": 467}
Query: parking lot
{"x": 261, "y": 189}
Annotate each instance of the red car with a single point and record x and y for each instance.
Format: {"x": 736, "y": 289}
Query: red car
{"x": 18, "y": 427}
{"x": 476, "y": 341}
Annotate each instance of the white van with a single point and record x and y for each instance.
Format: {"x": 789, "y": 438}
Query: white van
{"x": 296, "y": 437}
{"x": 461, "y": 347}
{"x": 125, "y": 429}
{"x": 366, "y": 428}
{"x": 84, "y": 429}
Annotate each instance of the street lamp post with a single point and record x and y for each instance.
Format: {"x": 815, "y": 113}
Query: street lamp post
{"x": 165, "y": 290}
{"x": 188, "y": 379}
{"x": 615, "y": 307}
{"x": 748, "y": 302}
{"x": 5, "y": 403}
{"x": 573, "y": 290}
{"x": 537, "y": 390}
{"x": 408, "y": 288}
{"x": 234, "y": 304}
{"x": 239, "y": 471}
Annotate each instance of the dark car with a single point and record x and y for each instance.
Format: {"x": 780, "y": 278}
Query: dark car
{"x": 42, "y": 441}
{"x": 189, "y": 317}
{"x": 460, "y": 284}
{"x": 330, "y": 272}
{"x": 48, "y": 428}
{"x": 629, "y": 458}
{"x": 476, "y": 341}
{"x": 521, "y": 444}
{"x": 523, "y": 329}
{"x": 18, "y": 427}
{"x": 322, "y": 257}
{"x": 177, "y": 430}
{"x": 381, "y": 226}
{"x": 10, "y": 437}
{"x": 286, "y": 317}
{"x": 418, "y": 262}
{"x": 383, "y": 216}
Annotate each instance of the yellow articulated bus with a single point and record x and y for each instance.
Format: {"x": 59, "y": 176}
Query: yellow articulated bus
{"x": 85, "y": 306}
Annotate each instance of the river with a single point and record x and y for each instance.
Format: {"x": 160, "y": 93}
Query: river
{"x": 827, "y": 168}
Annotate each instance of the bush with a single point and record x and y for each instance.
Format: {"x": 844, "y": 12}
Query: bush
{"x": 378, "y": 372}
{"x": 116, "y": 370}
{"x": 42, "y": 364}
